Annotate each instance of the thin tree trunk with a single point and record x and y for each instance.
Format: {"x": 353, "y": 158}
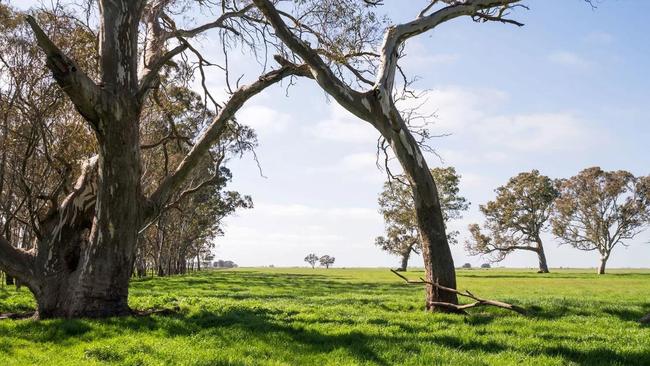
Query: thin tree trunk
{"x": 603, "y": 264}
{"x": 543, "y": 266}
{"x": 405, "y": 261}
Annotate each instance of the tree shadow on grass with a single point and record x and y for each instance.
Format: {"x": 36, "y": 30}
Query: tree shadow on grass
{"x": 602, "y": 356}
{"x": 261, "y": 323}
{"x": 629, "y": 315}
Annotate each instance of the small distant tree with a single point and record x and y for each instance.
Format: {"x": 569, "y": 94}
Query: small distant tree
{"x": 486, "y": 265}
{"x": 516, "y": 219}
{"x": 598, "y": 210}
{"x": 326, "y": 261}
{"x": 312, "y": 259}
{"x": 467, "y": 266}
{"x": 397, "y": 206}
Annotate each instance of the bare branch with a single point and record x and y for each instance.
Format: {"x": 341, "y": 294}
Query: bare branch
{"x": 148, "y": 80}
{"x": 346, "y": 96}
{"x": 397, "y": 35}
{"x": 83, "y": 92}
{"x": 16, "y": 262}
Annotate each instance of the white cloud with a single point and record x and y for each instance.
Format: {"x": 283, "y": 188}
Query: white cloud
{"x": 537, "y": 132}
{"x": 475, "y": 116}
{"x": 570, "y": 59}
{"x": 264, "y": 120}
{"x": 283, "y": 233}
{"x": 357, "y": 167}
{"x": 304, "y": 211}
{"x": 419, "y": 55}
{"x": 342, "y": 126}
{"x": 457, "y": 107}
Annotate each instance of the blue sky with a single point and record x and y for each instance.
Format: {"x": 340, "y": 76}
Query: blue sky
{"x": 567, "y": 91}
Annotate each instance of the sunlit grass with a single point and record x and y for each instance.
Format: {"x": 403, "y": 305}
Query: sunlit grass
{"x": 347, "y": 317}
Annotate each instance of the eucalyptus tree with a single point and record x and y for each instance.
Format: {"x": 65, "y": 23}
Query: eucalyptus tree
{"x": 516, "y": 219}
{"x": 326, "y": 261}
{"x": 86, "y": 243}
{"x": 599, "y": 210}
{"x": 312, "y": 259}
{"x": 362, "y": 74}
{"x": 398, "y": 209}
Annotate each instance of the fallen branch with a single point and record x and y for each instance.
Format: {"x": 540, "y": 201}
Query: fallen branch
{"x": 645, "y": 319}
{"x": 461, "y": 308}
{"x": 17, "y": 316}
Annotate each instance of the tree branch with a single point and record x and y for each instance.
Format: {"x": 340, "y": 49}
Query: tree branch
{"x": 397, "y": 35}
{"x": 158, "y": 199}
{"x": 16, "y": 262}
{"x": 461, "y": 308}
{"x": 345, "y": 95}
{"x": 219, "y": 23}
{"x": 148, "y": 80}
{"x": 81, "y": 90}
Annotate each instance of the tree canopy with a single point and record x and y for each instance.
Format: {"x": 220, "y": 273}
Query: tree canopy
{"x": 599, "y": 210}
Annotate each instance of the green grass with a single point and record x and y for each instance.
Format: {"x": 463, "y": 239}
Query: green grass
{"x": 347, "y": 317}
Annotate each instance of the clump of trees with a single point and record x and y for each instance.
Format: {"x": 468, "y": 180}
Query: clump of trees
{"x": 397, "y": 206}
{"x": 326, "y": 261}
{"x": 595, "y": 210}
{"x": 516, "y": 219}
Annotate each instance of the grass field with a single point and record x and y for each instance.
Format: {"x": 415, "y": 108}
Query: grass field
{"x": 347, "y": 317}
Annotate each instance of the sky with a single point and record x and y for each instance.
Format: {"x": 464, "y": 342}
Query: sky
{"x": 569, "y": 90}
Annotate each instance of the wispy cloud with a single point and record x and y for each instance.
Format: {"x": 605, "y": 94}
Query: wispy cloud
{"x": 571, "y": 59}
{"x": 264, "y": 120}
{"x": 342, "y": 126}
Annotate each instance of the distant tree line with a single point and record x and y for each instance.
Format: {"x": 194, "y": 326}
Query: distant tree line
{"x": 595, "y": 210}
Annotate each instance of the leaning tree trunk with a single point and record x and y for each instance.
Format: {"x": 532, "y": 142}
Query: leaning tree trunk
{"x": 438, "y": 261}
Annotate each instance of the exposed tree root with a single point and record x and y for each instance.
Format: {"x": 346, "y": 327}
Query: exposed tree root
{"x": 461, "y": 308}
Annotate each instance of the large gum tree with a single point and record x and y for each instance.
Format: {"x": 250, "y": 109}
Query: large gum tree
{"x": 83, "y": 256}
